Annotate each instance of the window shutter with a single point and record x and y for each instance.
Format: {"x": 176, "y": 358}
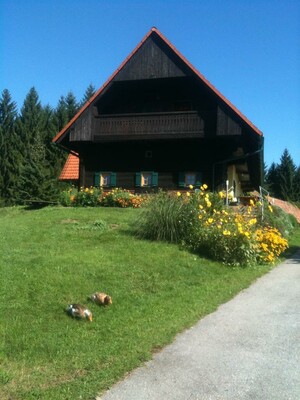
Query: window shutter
{"x": 138, "y": 179}
{"x": 154, "y": 179}
{"x": 113, "y": 179}
{"x": 198, "y": 182}
{"x": 97, "y": 178}
{"x": 181, "y": 179}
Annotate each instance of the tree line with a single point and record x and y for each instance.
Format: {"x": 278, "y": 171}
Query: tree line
{"x": 30, "y": 163}
{"x": 283, "y": 179}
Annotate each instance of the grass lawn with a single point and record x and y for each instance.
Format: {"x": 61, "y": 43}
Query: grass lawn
{"x": 55, "y": 256}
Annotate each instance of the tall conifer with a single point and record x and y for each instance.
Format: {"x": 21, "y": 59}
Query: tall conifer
{"x": 287, "y": 177}
{"x": 61, "y": 114}
{"x": 90, "y": 91}
{"x": 36, "y": 178}
{"x": 71, "y": 105}
{"x": 9, "y": 149}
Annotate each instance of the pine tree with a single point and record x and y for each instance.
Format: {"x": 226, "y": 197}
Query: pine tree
{"x": 90, "y": 91}
{"x": 55, "y": 156}
{"x": 71, "y": 105}
{"x": 36, "y": 179}
{"x": 287, "y": 177}
{"x": 9, "y": 149}
{"x": 297, "y": 184}
{"x": 283, "y": 179}
{"x": 272, "y": 182}
{"x": 61, "y": 115}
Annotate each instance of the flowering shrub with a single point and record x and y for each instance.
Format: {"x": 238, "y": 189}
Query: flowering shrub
{"x": 85, "y": 197}
{"x": 200, "y": 221}
{"x": 121, "y": 198}
{"x": 93, "y": 196}
{"x": 270, "y": 244}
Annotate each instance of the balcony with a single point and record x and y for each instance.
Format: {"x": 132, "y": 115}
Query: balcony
{"x": 148, "y": 126}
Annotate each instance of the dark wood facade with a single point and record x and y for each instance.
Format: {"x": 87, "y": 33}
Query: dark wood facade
{"x": 158, "y": 114}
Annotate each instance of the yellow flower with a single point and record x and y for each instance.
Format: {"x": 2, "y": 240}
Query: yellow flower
{"x": 200, "y": 216}
{"x": 201, "y": 207}
{"x": 226, "y": 232}
{"x": 205, "y": 186}
{"x": 221, "y": 195}
{"x": 188, "y": 194}
{"x": 178, "y": 194}
{"x": 210, "y": 220}
{"x": 252, "y": 221}
{"x": 191, "y": 187}
{"x": 251, "y": 202}
{"x": 270, "y": 208}
{"x": 208, "y": 203}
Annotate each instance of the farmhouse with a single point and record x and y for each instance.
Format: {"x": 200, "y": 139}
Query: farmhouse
{"x": 158, "y": 122}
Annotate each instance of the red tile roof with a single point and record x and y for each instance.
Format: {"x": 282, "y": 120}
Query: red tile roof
{"x": 197, "y": 73}
{"x": 70, "y": 171}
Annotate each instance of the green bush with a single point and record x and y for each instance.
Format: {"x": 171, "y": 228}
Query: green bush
{"x": 277, "y": 218}
{"x": 85, "y": 197}
{"x": 94, "y": 196}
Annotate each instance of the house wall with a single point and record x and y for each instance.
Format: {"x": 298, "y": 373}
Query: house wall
{"x": 167, "y": 158}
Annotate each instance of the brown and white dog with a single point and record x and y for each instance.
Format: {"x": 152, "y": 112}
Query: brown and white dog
{"x": 80, "y": 312}
{"x": 102, "y": 299}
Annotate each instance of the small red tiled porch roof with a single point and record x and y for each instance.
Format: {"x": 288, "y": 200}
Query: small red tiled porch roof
{"x": 70, "y": 171}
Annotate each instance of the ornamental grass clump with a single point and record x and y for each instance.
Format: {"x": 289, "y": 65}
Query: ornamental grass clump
{"x": 167, "y": 216}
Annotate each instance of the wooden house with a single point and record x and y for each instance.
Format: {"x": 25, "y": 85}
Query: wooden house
{"x": 157, "y": 122}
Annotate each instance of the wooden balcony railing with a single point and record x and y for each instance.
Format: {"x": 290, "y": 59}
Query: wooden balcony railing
{"x": 123, "y": 126}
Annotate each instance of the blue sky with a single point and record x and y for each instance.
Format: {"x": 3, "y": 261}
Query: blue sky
{"x": 249, "y": 50}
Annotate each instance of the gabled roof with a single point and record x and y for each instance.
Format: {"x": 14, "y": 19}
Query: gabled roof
{"x": 70, "y": 171}
{"x": 155, "y": 31}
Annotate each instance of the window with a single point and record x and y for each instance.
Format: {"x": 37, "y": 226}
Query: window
{"x": 146, "y": 179}
{"x": 186, "y": 179}
{"x": 190, "y": 178}
{"x": 105, "y": 179}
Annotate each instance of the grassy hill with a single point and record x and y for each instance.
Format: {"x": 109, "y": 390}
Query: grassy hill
{"x": 55, "y": 256}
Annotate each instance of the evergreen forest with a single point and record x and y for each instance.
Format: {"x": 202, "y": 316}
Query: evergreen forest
{"x": 30, "y": 163}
